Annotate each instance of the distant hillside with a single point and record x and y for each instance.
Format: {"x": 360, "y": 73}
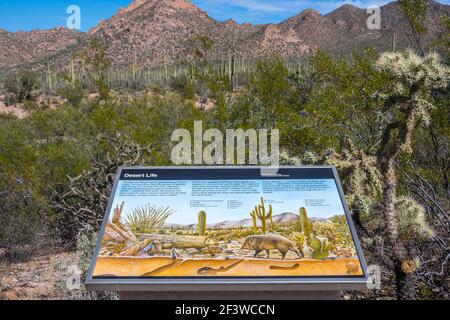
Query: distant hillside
{"x": 17, "y": 48}
{"x": 282, "y": 218}
{"x": 157, "y": 33}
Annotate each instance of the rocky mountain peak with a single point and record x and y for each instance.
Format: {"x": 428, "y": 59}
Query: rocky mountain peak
{"x": 156, "y": 31}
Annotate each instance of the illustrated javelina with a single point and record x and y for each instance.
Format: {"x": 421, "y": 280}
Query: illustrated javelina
{"x": 269, "y": 242}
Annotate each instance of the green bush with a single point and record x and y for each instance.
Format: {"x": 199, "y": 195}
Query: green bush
{"x": 20, "y": 221}
{"x": 73, "y": 92}
{"x": 183, "y": 85}
{"x": 21, "y": 85}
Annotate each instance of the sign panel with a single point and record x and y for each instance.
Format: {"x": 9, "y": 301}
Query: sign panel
{"x": 227, "y": 223}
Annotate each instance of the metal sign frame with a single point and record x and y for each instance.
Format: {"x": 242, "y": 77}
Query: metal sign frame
{"x": 300, "y": 283}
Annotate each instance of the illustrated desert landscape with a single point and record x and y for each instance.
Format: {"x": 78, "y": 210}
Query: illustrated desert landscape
{"x": 265, "y": 244}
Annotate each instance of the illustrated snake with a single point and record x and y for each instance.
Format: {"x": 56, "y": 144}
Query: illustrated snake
{"x": 293, "y": 267}
{"x": 208, "y": 271}
{"x": 174, "y": 263}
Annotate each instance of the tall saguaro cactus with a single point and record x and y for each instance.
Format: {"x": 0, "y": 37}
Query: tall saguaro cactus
{"x": 253, "y": 214}
{"x": 305, "y": 224}
{"x": 262, "y": 216}
{"x": 49, "y": 77}
{"x": 201, "y": 223}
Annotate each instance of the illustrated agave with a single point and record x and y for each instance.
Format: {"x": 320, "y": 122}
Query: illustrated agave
{"x": 147, "y": 218}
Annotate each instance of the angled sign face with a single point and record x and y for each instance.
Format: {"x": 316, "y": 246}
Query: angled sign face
{"x": 194, "y": 228}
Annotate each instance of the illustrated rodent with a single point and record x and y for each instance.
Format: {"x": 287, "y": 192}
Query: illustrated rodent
{"x": 270, "y": 242}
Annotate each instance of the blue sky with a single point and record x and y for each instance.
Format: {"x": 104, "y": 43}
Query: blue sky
{"x": 217, "y": 206}
{"x": 39, "y": 14}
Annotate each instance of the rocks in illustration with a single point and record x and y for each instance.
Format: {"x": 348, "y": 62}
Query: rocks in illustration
{"x": 137, "y": 249}
{"x": 352, "y": 267}
{"x": 152, "y": 244}
{"x": 266, "y": 243}
{"x": 201, "y": 223}
{"x": 155, "y": 247}
{"x": 116, "y": 232}
{"x": 212, "y": 250}
{"x": 180, "y": 241}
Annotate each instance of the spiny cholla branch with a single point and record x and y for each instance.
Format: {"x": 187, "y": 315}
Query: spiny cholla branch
{"x": 87, "y": 195}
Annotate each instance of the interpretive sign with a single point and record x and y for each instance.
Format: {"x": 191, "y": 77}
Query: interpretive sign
{"x": 188, "y": 226}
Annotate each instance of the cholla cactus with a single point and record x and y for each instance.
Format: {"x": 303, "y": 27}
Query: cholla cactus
{"x": 363, "y": 178}
{"x": 405, "y": 99}
{"x": 411, "y": 219}
{"x": 408, "y": 69}
{"x": 413, "y": 76}
{"x": 310, "y": 157}
{"x": 288, "y": 160}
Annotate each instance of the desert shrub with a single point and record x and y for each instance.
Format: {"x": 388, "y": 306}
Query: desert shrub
{"x": 20, "y": 221}
{"x": 86, "y": 241}
{"x": 85, "y": 245}
{"x": 21, "y": 85}
{"x": 73, "y": 92}
{"x": 158, "y": 88}
{"x": 183, "y": 85}
{"x": 85, "y": 199}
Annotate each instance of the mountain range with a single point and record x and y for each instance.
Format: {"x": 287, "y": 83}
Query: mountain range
{"x": 157, "y": 32}
{"x": 283, "y": 218}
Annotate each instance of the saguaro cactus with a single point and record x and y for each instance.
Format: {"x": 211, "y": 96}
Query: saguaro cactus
{"x": 72, "y": 70}
{"x": 49, "y": 77}
{"x": 201, "y": 223}
{"x": 253, "y": 214}
{"x": 261, "y": 214}
{"x": 305, "y": 225}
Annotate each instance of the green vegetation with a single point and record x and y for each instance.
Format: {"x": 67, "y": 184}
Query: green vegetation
{"x": 21, "y": 85}
{"x": 147, "y": 219}
{"x": 380, "y": 118}
{"x": 320, "y": 248}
